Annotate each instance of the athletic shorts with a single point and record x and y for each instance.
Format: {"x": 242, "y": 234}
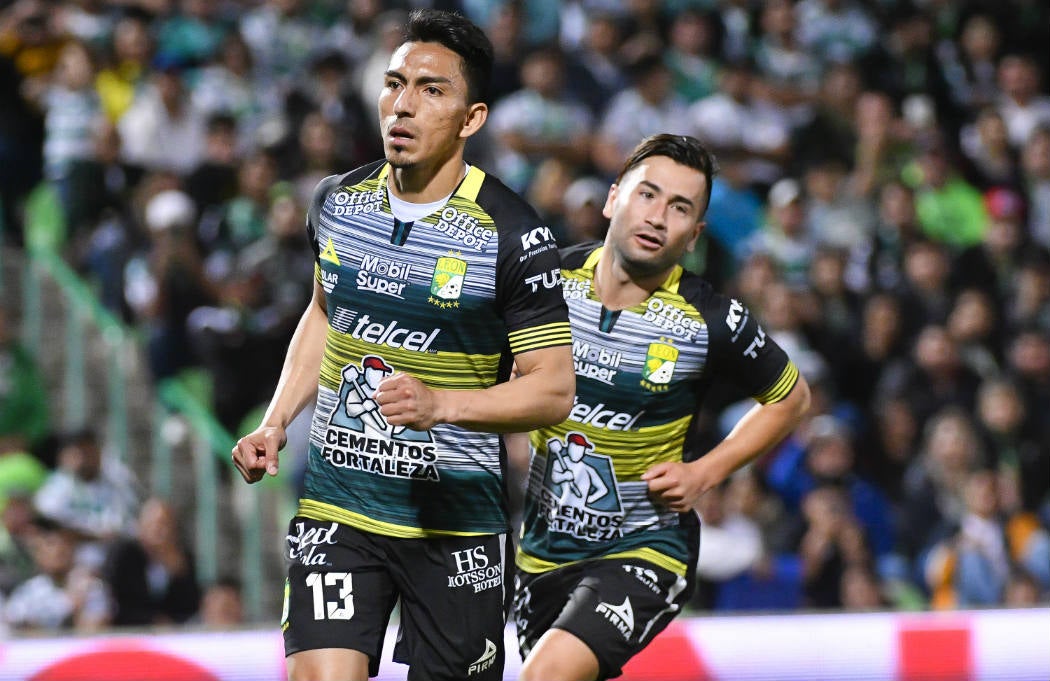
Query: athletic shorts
{"x": 615, "y": 606}
{"x": 343, "y": 583}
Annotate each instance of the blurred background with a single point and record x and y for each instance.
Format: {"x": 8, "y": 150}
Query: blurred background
{"x": 883, "y": 205}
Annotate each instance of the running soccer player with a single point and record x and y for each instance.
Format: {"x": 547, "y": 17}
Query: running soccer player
{"x": 432, "y": 279}
{"x": 609, "y": 538}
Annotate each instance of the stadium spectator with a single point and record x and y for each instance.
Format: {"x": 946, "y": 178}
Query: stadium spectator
{"x": 646, "y": 108}
{"x": 838, "y": 31}
{"x": 163, "y": 130}
{"x": 1035, "y": 172}
{"x": 596, "y": 68}
{"x": 691, "y": 54}
{"x": 165, "y": 284}
{"x": 17, "y": 530}
{"x": 261, "y": 302}
{"x": 935, "y": 481}
{"x": 1023, "y": 107}
{"x": 730, "y": 544}
{"x": 62, "y": 596}
{"x": 789, "y": 72}
{"x": 152, "y": 574}
{"x": 229, "y": 85}
{"x": 222, "y": 605}
{"x": 94, "y": 496}
{"x": 831, "y": 132}
{"x": 541, "y": 120}
{"x": 735, "y": 120}
{"x": 969, "y": 64}
{"x": 127, "y": 69}
{"x": 785, "y": 236}
{"x": 989, "y": 160}
{"x": 991, "y": 265}
{"x": 833, "y": 542}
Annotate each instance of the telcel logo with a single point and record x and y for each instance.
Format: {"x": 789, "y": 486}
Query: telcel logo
{"x": 392, "y": 336}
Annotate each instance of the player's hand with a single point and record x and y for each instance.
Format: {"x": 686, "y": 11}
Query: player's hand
{"x": 676, "y": 485}
{"x": 255, "y": 454}
{"x": 404, "y": 401}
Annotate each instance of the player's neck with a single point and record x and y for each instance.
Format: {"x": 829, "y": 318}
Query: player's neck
{"x": 425, "y": 183}
{"x": 619, "y": 289}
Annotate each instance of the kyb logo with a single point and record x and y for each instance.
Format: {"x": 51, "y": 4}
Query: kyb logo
{"x": 594, "y": 361}
{"x": 473, "y": 568}
{"x": 736, "y": 318}
{"x": 535, "y": 237}
{"x": 380, "y": 275}
{"x": 546, "y": 280}
{"x": 305, "y": 545}
{"x": 487, "y": 659}
{"x": 620, "y": 616}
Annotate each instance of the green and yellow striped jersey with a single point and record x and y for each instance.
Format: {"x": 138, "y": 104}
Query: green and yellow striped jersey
{"x": 641, "y": 376}
{"x": 449, "y": 299}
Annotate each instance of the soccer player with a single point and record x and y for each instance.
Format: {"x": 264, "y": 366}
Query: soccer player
{"x": 432, "y": 279}
{"x": 609, "y": 537}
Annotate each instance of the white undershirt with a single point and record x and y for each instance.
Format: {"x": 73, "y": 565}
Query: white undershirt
{"x": 410, "y": 212}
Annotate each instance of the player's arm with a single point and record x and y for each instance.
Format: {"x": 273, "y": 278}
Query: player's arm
{"x": 256, "y": 453}
{"x": 680, "y": 485}
{"x": 540, "y": 396}
{"x": 749, "y": 358}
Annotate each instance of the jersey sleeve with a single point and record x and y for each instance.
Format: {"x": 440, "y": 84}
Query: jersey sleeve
{"x": 529, "y": 283}
{"x": 745, "y": 355}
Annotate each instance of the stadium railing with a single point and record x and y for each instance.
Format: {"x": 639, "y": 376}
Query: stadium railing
{"x": 172, "y": 415}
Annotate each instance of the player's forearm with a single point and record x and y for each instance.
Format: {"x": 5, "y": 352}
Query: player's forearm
{"x": 302, "y": 365}
{"x": 541, "y": 397}
{"x": 757, "y": 432}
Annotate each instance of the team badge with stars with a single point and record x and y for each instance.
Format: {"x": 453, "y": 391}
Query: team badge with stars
{"x": 446, "y": 285}
{"x": 660, "y": 360}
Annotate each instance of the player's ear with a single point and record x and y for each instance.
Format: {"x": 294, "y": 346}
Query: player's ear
{"x": 477, "y": 114}
{"x": 698, "y": 229}
{"x": 610, "y": 199}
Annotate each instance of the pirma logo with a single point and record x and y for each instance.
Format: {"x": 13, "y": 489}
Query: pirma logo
{"x": 620, "y": 616}
{"x": 487, "y": 659}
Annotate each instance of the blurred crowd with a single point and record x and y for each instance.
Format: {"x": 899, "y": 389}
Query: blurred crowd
{"x": 883, "y": 205}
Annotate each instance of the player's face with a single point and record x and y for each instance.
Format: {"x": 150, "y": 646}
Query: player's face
{"x": 655, "y": 215}
{"x": 423, "y": 109}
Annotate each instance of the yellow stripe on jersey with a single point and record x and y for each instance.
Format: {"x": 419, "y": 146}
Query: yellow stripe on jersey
{"x": 316, "y": 510}
{"x": 781, "y": 387}
{"x": 454, "y": 370}
{"x": 543, "y": 336}
{"x": 533, "y": 564}
{"x": 317, "y": 272}
{"x": 471, "y": 184}
{"x": 634, "y": 451}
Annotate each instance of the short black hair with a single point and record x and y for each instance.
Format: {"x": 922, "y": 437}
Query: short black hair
{"x": 459, "y": 34}
{"x": 683, "y": 149}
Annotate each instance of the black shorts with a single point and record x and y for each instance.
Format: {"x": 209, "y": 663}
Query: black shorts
{"x": 615, "y": 606}
{"x": 343, "y": 583}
